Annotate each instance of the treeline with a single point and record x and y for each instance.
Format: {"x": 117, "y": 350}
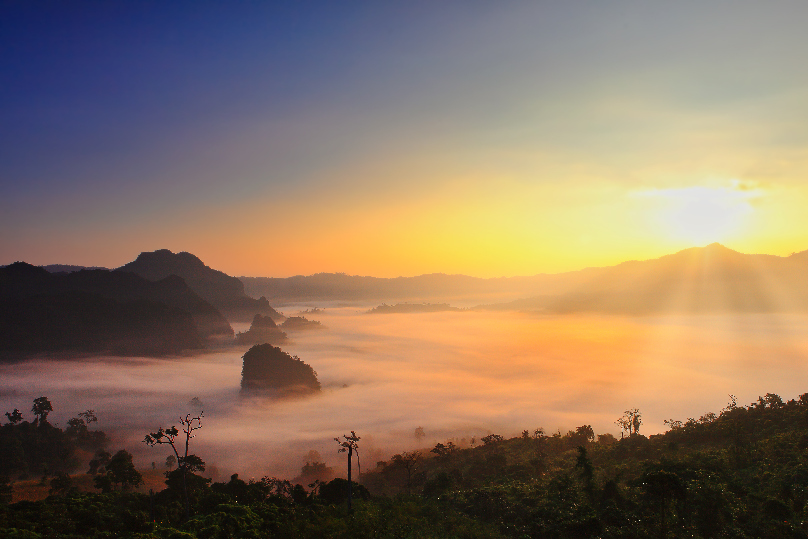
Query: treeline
{"x": 37, "y": 448}
{"x": 742, "y": 472}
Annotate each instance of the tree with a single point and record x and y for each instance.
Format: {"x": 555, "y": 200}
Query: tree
{"x": 60, "y": 485}
{"x": 492, "y": 439}
{"x": 169, "y": 436}
{"x": 419, "y": 433}
{"x": 171, "y": 461}
{"x": 99, "y": 462}
{"x": 587, "y": 473}
{"x": 14, "y": 417}
{"x": 586, "y": 432}
{"x": 408, "y": 461}
{"x": 41, "y": 408}
{"x": 630, "y": 422}
{"x": 661, "y": 486}
{"x": 88, "y": 416}
{"x": 6, "y": 490}
{"x": 121, "y": 470}
{"x": 350, "y": 445}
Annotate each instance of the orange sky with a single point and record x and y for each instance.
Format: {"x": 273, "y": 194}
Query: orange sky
{"x": 394, "y": 141}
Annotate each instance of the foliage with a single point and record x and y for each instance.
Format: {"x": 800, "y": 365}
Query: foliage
{"x": 120, "y": 473}
{"x": 741, "y": 473}
{"x": 39, "y": 448}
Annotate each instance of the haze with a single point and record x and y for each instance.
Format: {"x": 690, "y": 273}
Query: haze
{"x": 404, "y": 139}
{"x": 458, "y": 375}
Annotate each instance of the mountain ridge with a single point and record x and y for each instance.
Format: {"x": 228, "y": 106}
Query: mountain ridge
{"x": 224, "y": 292}
{"x": 697, "y": 279}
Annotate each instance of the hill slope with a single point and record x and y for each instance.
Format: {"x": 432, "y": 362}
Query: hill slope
{"x": 224, "y": 292}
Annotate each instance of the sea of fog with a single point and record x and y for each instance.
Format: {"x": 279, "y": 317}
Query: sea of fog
{"x": 456, "y": 374}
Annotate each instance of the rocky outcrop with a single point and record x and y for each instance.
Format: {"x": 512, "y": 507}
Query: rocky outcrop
{"x": 269, "y": 369}
{"x": 262, "y": 330}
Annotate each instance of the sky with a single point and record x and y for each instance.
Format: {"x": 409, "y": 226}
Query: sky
{"x": 386, "y": 139}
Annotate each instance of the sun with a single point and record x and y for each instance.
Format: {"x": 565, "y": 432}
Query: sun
{"x": 698, "y": 215}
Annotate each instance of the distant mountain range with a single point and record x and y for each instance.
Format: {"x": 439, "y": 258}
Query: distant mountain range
{"x": 163, "y": 303}
{"x": 711, "y": 279}
{"x": 696, "y": 280}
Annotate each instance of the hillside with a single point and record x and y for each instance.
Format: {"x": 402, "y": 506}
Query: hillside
{"x": 737, "y": 473}
{"x": 99, "y": 311}
{"x": 712, "y": 279}
{"x": 219, "y": 289}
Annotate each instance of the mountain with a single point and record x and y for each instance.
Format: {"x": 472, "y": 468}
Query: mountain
{"x": 420, "y": 289}
{"x": 99, "y": 311}
{"x": 262, "y": 330}
{"x": 711, "y": 279}
{"x": 696, "y": 280}
{"x": 224, "y": 292}
{"x": 67, "y": 268}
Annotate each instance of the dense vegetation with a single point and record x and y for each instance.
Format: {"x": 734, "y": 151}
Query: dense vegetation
{"x": 39, "y": 448}
{"x": 739, "y": 473}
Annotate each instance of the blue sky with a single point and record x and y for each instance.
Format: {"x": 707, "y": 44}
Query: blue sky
{"x": 396, "y": 138}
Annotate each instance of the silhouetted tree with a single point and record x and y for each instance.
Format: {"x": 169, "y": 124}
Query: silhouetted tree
{"x": 630, "y": 422}
{"x": 350, "y": 445}
{"x": 171, "y": 461}
{"x": 407, "y": 461}
{"x": 41, "y": 408}
{"x": 662, "y": 487}
{"x": 6, "y": 490}
{"x": 587, "y": 473}
{"x": 14, "y": 417}
{"x": 169, "y": 436}
{"x": 122, "y": 471}
{"x": 492, "y": 439}
{"x": 119, "y": 471}
{"x": 99, "y": 462}
{"x": 60, "y": 485}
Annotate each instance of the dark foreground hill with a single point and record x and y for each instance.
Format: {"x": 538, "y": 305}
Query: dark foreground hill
{"x": 222, "y": 291}
{"x": 100, "y": 311}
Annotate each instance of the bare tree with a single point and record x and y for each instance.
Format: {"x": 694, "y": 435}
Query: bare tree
{"x": 350, "y": 445}
{"x": 169, "y": 436}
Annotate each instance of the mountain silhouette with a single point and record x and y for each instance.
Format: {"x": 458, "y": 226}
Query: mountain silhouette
{"x": 100, "y": 311}
{"x": 711, "y": 279}
{"x": 696, "y": 280}
{"x": 224, "y": 292}
{"x": 262, "y": 330}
